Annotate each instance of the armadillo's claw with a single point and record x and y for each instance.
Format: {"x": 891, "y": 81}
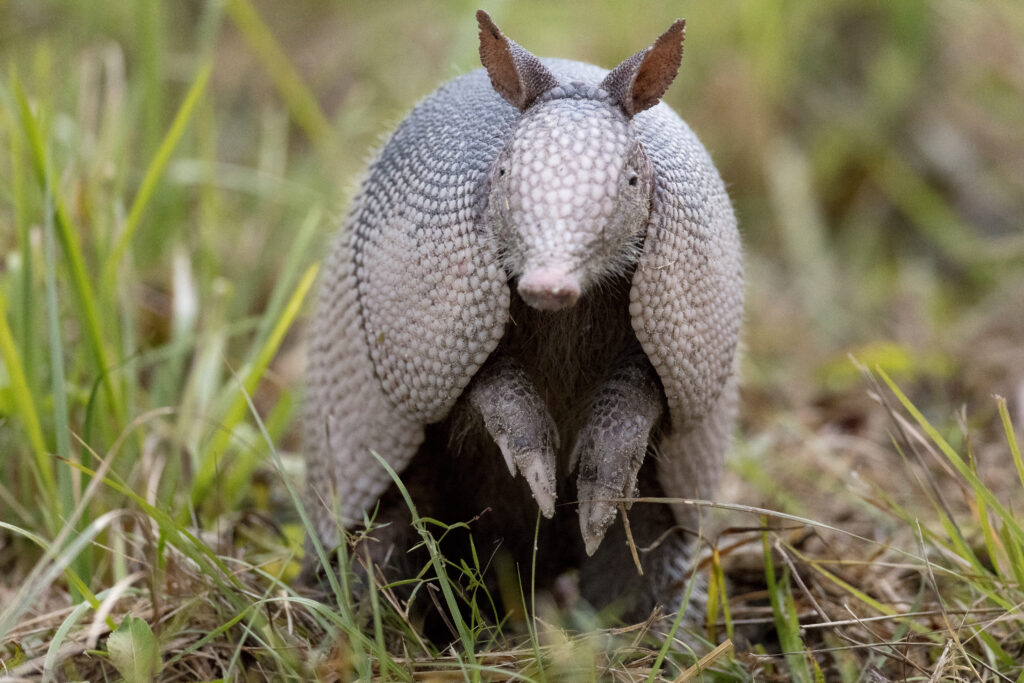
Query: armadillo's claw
{"x": 518, "y": 420}
{"x": 611, "y": 447}
{"x": 596, "y": 515}
{"x": 609, "y": 461}
{"x": 531, "y": 451}
{"x": 502, "y": 439}
{"x": 538, "y": 468}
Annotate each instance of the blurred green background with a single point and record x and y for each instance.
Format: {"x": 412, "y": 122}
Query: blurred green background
{"x": 874, "y": 152}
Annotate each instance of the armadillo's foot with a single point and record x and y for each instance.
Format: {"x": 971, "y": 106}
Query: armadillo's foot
{"x": 668, "y": 554}
{"x": 610, "y": 450}
{"x": 612, "y": 444}
{"x": 518, "y": 421}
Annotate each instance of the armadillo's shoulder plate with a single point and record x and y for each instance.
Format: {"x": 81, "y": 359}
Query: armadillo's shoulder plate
{"x": 686, "y": 301}
{"x": 433, "y": 296}
{"x": 412, "y": 302}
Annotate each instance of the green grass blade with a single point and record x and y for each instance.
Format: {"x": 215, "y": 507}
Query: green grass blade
{"x": 149, "y": 18}
{"x": 372, "y": 590}
{"x": 66, "y": 495}
{"x": 438, "y": 562}
{"x": 669, "y": 639}
{"x": 958, "y": 544}
{"x": 1011, "y": 438}
{"x": 954, "y": 458}
{"x": 251, "y": 377}
{"x": 299, "y": 100}
{"x": 153, "y": 174}
{"x": 26, "y": 407}
{"x": 992, "y": 546}
{"x": 1015, "y": 554}
{"x": 61, "y": 634}
{"x": 715, "y": 589}
{"x": 787, "y": 624}
{"x": 958, "y": 547}
{"x": 26, "y": 327}
{"x": 718, "y": 576}
{"x": 290, "y": 270}
{"x": 45, "y": 574}
{"x": 81, "y": 285}
{"x": 819, "y": 675}
{"x": 531, "y": 621}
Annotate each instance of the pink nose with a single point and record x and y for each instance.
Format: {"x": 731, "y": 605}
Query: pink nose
{"x": 549, "y": 288}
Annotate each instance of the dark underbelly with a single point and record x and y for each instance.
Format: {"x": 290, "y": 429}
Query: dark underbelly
{"x": 568, "y": 355}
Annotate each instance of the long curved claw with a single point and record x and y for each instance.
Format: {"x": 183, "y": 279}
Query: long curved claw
{"x": 518, "y": 420}
{"x": 537, "y": 465}
{"x": 538, "y": 468}
{"x": 611, "y": 446}
{"x": 608, "y": 472}
{"x": 504, "y": 445}
{"x": 597, "y": 514}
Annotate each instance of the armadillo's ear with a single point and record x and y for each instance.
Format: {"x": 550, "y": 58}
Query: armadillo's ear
{"x": 640, "y": 81}
{"x": 517, "y": 75}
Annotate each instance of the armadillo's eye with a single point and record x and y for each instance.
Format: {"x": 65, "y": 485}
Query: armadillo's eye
{"x": 633, "y": 179}
{"x": 501, "y": 171}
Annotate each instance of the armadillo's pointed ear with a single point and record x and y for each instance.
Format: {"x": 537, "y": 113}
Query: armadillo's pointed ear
{"x": 640, "y": 81}
{"x": 517, "y": 75}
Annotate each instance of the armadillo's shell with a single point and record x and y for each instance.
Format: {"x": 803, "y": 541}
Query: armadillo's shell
{"x": 413, "y": 298}
{"x": 686, "y": 305}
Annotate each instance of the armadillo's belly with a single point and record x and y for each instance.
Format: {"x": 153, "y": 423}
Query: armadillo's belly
{"x": 568, "y": 355}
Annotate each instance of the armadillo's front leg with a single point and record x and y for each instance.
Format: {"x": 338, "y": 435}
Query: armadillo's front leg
{"x": 519, "y": 422}
{"x": 611, "y": 446}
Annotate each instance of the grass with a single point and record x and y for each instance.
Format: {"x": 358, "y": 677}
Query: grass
{"x": 170, "y": 174}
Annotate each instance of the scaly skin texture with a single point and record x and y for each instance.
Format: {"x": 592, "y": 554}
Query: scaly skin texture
{"x": 540, "y": 276}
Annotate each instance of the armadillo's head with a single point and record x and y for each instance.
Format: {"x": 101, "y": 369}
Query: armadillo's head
{"x": 570, "y": 194}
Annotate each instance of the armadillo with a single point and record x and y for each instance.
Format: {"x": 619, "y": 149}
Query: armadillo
{"x": 532, "y": 311}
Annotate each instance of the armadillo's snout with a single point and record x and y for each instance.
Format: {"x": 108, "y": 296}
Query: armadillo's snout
{"x": 549, "y": 288}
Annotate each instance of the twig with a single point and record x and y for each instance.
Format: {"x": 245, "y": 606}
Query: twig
{"x": 629, "y": 539}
